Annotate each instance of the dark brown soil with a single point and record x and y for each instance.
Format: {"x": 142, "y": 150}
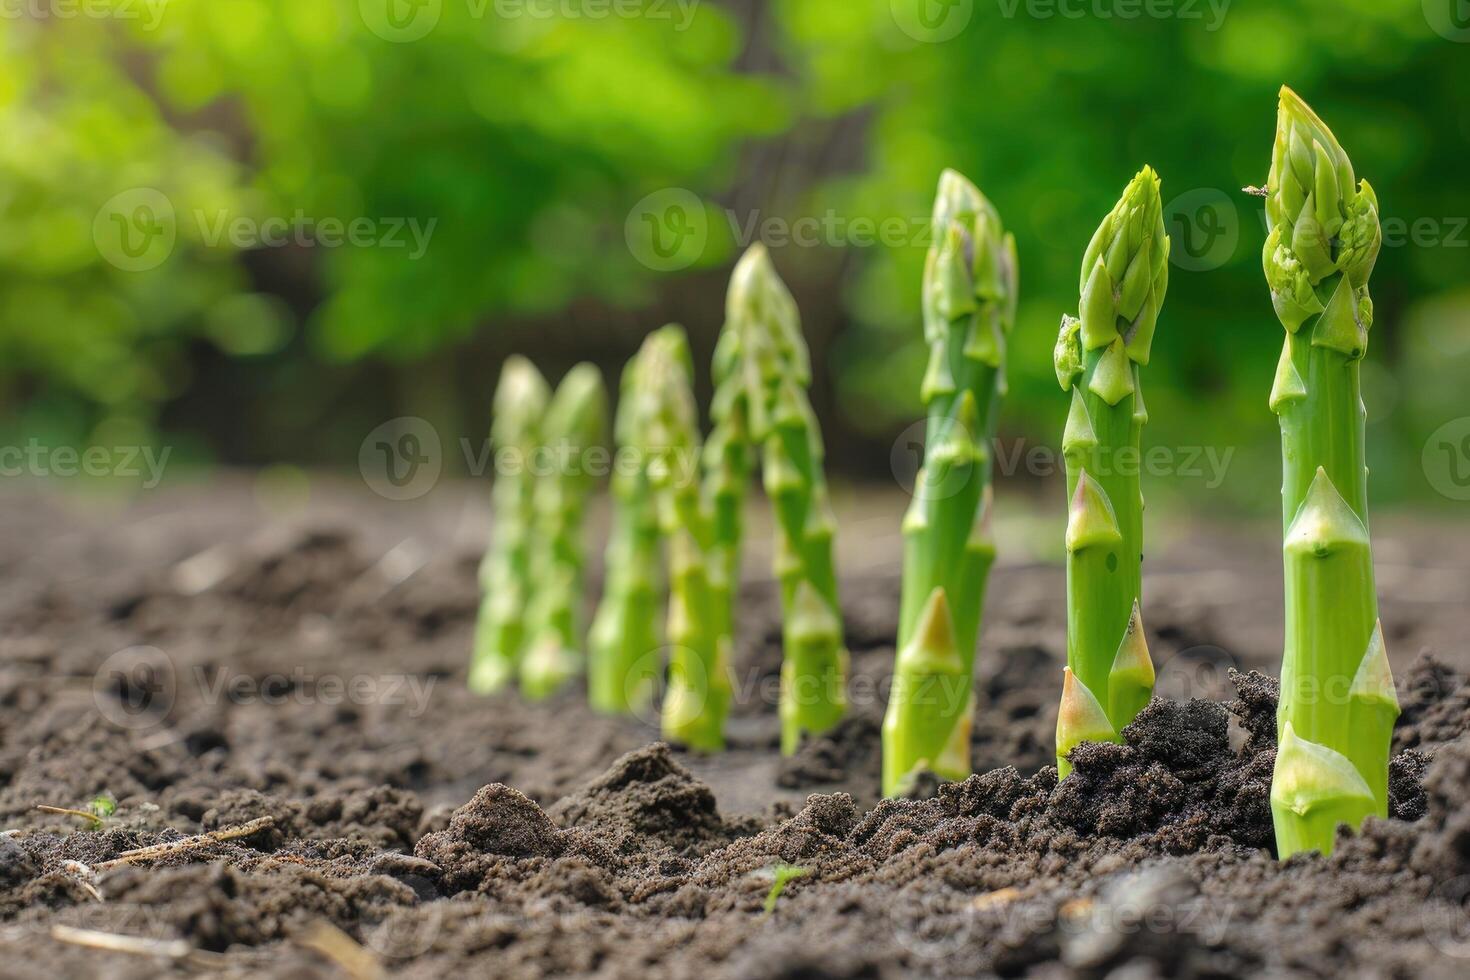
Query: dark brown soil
{"x": 308, "y": 667}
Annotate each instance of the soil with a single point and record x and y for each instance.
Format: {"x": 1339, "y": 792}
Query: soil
{"x": 211, "y": 656}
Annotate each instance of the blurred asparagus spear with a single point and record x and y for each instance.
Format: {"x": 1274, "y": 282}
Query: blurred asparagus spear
{"x": 624, "y": 631}
{"x": 576, "y": 421}
{"x": 762, "y": 344}
{"x": 969, "y": 305}
{"x": 505, "y": 572}
{"x": 1338, "y": 703}
{"x": 1125, "y": 274}
{"x": 667, "y": 434}
{"x": 726, "y": 475}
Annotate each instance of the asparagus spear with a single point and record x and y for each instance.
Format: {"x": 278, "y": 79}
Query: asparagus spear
{"x": 969, "y": 305}
{"x": 575, "y": 422}
{"x": 505, "y": 572}
{"x": 727, "y": 461}
{"x": 699, "y": 689}
{"x": 1338, "y": 702}
{"x": 1125, "y": 273}
{"x": 624, "y": 631}
{"x": 763, "y": 338}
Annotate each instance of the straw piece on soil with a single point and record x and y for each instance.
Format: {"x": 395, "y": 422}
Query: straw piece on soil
{"x": 177, "y": 950}
{"x": 187, "y": 844}
{"x": 173, "y": 949}
{"x": 1077, "y": 908}
{"x": 1003, "y": 897}
{"x": 83, "y": 874}
{"x": 327, "y": 940}
{"x": 201, "y": 572}
{"x": 91, "y": 818}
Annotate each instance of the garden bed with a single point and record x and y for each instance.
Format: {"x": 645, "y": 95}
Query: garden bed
{"x": 303, "y": 674}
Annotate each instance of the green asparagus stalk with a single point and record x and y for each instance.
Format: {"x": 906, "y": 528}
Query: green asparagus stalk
{"x": 1338, "y": 703}
{"x": 575, "y": 423}
{"x": 505, "y": 572}
{"x": 969, "y": 305}
{"x": 726, "y": 475}
{"x": 699, "y": 688}
{"x": 773, "y": 358}
{"x": 1125, "y": 273}
{"x": 624, "y": 630}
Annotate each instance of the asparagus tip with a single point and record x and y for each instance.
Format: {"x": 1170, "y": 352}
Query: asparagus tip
{"x": 956, "y": 195}
{"x": 753, "y": 265}
{"x": 762, "y": 322}
{"x": 1125, "y": 272}
{"x": 578, "y": 410}
{"x": 521, "y": 397}
{"x": 1290, "y": 103}
{"x": 519, "y": 378}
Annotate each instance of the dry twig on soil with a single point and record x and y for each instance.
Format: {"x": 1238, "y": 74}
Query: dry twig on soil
{"x": 187, "y": 844}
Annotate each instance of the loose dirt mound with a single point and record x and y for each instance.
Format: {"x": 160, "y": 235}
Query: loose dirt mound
{"x": 452, "y": 835}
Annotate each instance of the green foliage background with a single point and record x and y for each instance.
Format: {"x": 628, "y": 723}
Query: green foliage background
{"x": 526, "y": 130}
